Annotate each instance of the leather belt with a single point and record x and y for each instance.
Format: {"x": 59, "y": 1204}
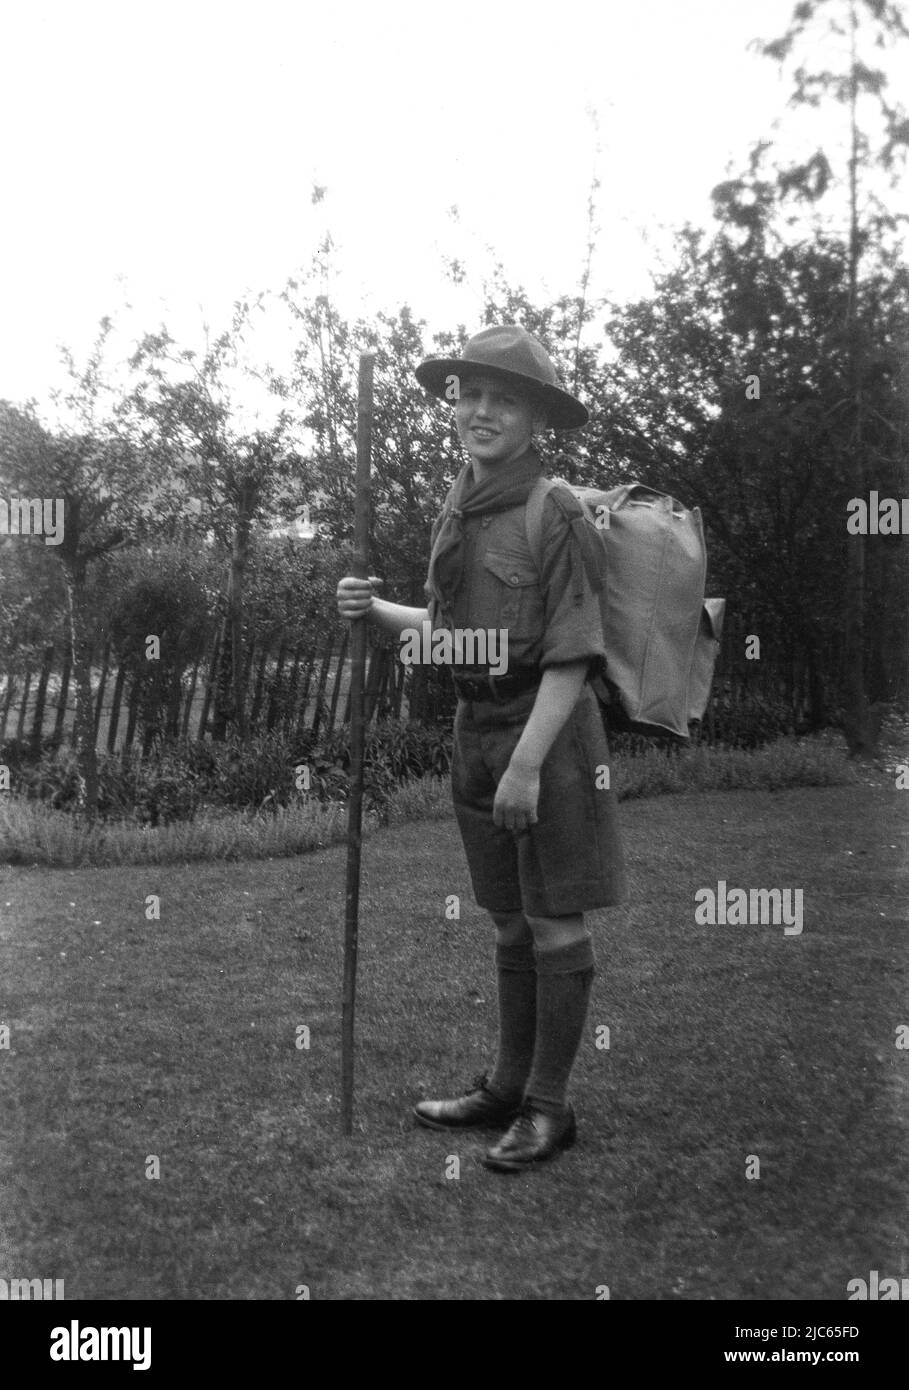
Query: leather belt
{"x": 481, "y": 685}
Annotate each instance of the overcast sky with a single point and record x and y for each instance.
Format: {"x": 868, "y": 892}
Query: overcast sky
{"x": 165, "y": 152}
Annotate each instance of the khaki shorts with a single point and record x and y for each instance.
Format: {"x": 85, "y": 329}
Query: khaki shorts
{"x": 571, "y": 860}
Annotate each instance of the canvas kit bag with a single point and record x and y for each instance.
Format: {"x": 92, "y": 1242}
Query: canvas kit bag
{"x": 660, "y": 633}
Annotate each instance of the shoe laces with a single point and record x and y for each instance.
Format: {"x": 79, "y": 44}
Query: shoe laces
{"x": 529, "y": 1112}
{"x": 525, "y": 1117}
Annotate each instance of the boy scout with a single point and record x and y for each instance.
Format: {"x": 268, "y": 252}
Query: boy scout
{"x": 541, "y": 838}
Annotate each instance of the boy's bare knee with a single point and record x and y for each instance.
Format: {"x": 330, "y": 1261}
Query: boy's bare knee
{"x": 555, "y": 933}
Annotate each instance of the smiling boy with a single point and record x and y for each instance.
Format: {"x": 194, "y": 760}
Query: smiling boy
{"x": 539, "y": 828}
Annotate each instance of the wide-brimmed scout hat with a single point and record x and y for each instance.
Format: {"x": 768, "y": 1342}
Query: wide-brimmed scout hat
{"x": 508, "y": 351}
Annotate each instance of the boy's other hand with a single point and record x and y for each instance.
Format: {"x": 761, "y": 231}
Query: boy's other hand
{"x": 355, "y": 596}
{"x": 517, "y": 795}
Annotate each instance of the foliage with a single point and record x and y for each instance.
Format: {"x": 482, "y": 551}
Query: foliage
{"x": 145, "y": 791}
{"x": 32, "y": 603}
{"x": 754, "y": 719}
{"x": 157, "y": 594}
{"x": 112, "y": 494}
{"x": 235, "y": 473}
{"x": 290, "y": 591}
{"x": 776, "y": 294}
{"x": 271, "y": 771}
{"x": 786, "y": 762}
{"x": 267, "y": 772}
{"x": 876, "y": 146}
{"x": 170, "y": 824}
{"x": 414, "y": 455}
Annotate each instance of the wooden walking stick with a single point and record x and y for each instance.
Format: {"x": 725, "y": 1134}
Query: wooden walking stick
{"x": 355, "y": 803}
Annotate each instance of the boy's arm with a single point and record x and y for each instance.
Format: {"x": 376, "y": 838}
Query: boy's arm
{"x": 515, "y": 804}
{"x": 395, "y": 617}
{"x": 357, "y": 599}
{"x": 572, "y": 638}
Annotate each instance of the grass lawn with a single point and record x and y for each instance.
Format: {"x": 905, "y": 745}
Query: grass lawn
{"x": 177, "y": 1038}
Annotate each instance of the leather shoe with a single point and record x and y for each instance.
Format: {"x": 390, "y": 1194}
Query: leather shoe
{"x": 477, "y": 1108}
{"x": 535, "y": 1136}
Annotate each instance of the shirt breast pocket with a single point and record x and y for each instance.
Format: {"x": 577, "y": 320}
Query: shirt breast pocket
{"x": 516, "y": 584}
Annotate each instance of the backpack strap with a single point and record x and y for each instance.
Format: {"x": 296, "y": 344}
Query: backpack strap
{"x": 533, "y": 516}
{"x": 568, "y": 502}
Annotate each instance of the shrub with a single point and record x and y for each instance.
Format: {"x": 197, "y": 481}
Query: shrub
{"x": 179, "y": 777}
{"x": 153, "y": 791}
{"x": 751, "y": 721}
{"x": 35, "y": 833}
{"x": 787, "y": 762}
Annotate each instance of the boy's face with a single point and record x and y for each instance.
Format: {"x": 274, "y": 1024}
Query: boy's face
{"x": 495, "y": 420}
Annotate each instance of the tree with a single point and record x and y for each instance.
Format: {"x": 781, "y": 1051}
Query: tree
{"x": 861, "y": 89}
{"x": 32, "y": 618}
{"x": 112, "y": 493}
{"x": 728, "y": 390}
{"x": 236, "y": 471}
{"x": 158, "y": 619}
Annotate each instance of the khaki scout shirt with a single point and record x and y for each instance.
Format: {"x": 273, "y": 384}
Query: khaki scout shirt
{"x": 503, "y": 589}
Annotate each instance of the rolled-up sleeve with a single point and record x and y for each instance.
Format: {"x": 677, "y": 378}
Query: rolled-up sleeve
{"x": 573, "y": 628}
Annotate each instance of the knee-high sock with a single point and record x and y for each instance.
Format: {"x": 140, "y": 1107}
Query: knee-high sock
{"x": 564, "y": 979}
{"x": 517, "y": 992}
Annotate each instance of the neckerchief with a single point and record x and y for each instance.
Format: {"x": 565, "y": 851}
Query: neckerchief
{"x": 509, "y": 488}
